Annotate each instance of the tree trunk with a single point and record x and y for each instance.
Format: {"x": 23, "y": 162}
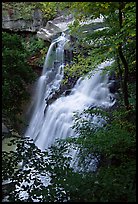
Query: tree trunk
{"x": 125, "y": 81}
{"x": 120, "y": 71}
{"x": 123, "y": 59}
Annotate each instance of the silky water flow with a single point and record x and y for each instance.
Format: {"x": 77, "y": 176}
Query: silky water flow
{"x": 92, "y": 91}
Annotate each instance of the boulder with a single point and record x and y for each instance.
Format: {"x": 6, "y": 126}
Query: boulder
{"x": 58, "y": 25}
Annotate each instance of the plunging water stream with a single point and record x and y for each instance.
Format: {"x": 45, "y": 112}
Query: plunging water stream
{"x": 47, "y": 84}
{"x": 57, "y": 121}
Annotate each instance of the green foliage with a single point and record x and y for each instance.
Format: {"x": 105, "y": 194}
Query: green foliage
{"x": 16, "y": 74}
{"x": 36, "y": 48}
{"x": 114, "y": 147}
{"x": 49, "y": 10}
{"x": 34, "y": 44}
{"x": 53, "y": 167}
{"x": 19, "y": 9}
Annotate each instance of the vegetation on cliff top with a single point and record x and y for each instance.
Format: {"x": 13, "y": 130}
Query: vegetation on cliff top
{"x": 25, "y": 10}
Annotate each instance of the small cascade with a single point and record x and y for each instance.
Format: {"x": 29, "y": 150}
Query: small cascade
{"x": 56, "y": 123}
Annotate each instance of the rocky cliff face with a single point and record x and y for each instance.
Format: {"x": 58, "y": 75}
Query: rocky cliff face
{"x": 37, "y": 24}
{"x": 19, "y": 24}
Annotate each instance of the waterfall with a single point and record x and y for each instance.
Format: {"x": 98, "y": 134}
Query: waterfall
{"x": 56, "y": 123}
{"x": 47, "y": 84}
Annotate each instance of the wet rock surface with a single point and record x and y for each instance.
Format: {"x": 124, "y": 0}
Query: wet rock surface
{"x": 64, "y": 90}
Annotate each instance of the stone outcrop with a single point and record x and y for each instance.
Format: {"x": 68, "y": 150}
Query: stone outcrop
{"x": 37, "y": 24}
{"x": 58, "y": 25}
{"x": 19, "y": 24}
{"x": 61, "y": 24}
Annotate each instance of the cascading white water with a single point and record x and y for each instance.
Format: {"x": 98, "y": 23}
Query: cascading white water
{"x": 56, "y": 123}
{"x": 47, "y": 84}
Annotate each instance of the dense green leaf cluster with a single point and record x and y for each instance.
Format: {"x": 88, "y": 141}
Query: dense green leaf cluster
{"x": 18, "y": 10}
{"x": 49, "y": 10}
{"x": 16, "y": 74}
{"x": 114, "y": 147}
{"x": 53, "y": 168}
{"x": 36, "y": 49}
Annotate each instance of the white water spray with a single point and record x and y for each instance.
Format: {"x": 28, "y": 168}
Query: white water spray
{"x": 56, "y": 123}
